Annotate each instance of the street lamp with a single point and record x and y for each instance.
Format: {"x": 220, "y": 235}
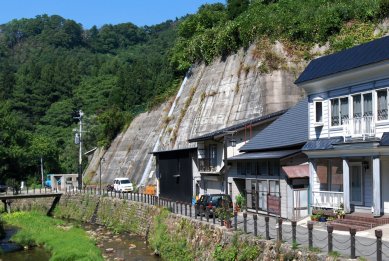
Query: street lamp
{"x": 101, "y": 160}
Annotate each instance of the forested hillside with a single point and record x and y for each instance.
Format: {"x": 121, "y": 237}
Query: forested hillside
{"x": 50, "y": 67}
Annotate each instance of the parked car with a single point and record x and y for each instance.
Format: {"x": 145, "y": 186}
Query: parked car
{"x": 122, "y": 185}
{"x": 214, "y": 200}
{"x": 3, "y": 188}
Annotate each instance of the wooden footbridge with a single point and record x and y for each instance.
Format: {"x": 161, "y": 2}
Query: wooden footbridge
{"x": 7, "y": 199}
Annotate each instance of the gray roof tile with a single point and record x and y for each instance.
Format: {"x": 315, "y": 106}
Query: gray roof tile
{"x": 290, "y": 129}
{"x": 255, "y": 121}
{"x": 322, "y": 144}
{"x": 358, "y": 56}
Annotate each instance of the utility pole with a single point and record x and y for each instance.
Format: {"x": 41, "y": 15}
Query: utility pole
{"x": 80, "y": 150}
{"x": 42, "y": 178}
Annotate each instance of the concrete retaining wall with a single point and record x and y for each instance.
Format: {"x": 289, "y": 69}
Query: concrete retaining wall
{"x": 202, "y": 241}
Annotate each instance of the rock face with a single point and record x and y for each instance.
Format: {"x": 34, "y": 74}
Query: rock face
{"x": 211, "y": 97}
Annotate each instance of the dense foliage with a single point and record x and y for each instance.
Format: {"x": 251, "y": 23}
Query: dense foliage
{"x": 51, "y": 67}
{"x": 217, "y": 30}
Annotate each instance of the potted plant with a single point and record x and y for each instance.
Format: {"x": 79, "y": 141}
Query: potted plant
{"x": 224, "y": 213}
{"x": 340, "y": 213}
{"x": 240, "y": 202}
{"x": 314, "y": 217}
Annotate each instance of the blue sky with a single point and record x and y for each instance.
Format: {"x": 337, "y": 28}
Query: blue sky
{"x": 100, "y": 12}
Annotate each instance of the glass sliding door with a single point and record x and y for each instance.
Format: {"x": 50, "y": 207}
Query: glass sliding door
{"x": 356, "y": 184}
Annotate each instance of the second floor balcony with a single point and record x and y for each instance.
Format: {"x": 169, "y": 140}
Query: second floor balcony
{"x": 207, "y": 165}
{"x": 361, "y": 127}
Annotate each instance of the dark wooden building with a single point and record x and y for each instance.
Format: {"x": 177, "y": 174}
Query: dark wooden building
{"x": 174, "y": 171}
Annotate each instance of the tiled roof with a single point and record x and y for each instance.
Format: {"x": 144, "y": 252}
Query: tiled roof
{"x": 322, "y": 144}
{"x": 278, "y": 154}
{"x": 290, "y": 129}
{"x": 238, "y": 126}
{"x": 172, "y": 150}
{"x": 299, "y": 171}
{"x": 358, "y": 56}
{"x": 385, "y": 139}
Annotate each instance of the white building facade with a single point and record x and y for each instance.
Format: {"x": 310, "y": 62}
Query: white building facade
{"x": 348, "y": 123}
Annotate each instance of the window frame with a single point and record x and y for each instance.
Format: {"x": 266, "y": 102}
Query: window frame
{"x": 375, "y": 110}
{"x": 315, "y": 103}
{"x": 339, "y": 111}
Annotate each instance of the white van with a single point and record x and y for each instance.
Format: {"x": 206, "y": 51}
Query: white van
{"x": 122, "y": 185}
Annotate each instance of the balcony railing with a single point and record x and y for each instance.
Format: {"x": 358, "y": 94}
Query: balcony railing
{"x": 207, "y": 165}
{"x": 327, "y": 199}
{"x": 363, "y": 127}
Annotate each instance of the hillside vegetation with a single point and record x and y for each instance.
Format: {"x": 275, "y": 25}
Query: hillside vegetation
{"x": 50, "y": 67}
{"x": 217, "y": 30}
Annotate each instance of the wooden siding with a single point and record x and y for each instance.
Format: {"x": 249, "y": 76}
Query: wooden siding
{"x": 284, "y": 198}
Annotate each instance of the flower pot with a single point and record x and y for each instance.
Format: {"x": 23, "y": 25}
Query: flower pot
{"x": 227, "y": 223}
{"x": 322, "y": 219}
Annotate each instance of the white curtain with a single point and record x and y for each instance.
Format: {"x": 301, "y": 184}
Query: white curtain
{"x": 367, "y": 105}
{"x": 335, "y": 112}
{"x": 357, "y": 108}
{"x": 382, "y": 110}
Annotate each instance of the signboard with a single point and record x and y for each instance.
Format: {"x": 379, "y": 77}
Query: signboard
{"x": 274, "y": 204}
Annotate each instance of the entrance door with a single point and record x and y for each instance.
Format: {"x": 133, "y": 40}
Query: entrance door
{"x": 356, "y": 185}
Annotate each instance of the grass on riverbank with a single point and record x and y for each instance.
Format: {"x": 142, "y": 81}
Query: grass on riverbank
{"x": 64, "y": 242}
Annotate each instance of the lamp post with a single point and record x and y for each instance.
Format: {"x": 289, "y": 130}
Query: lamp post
{"x": 101, "y": 160}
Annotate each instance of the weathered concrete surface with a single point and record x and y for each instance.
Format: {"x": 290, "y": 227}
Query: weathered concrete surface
{"x": 215, "y": 96}
{"x": 129, "y": 152}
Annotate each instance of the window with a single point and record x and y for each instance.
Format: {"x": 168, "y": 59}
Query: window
{"x": 273, "y": 167}
{"x": 318, "y": 111}
{"x": 367, "y": 104}
{"x": 357, "y": 106}
{"x": 382, "y": 105}
{"x": 330, "y": 174}
{"x": 339, "y": 111}
{"x": 362, "y": 105}
{"x": 249, "y": 168}
{"x": 213, "y": 155}
{"x": 335, "y": 112}
{"x": 239, "y": 168}
{"x": 274, "y": 188}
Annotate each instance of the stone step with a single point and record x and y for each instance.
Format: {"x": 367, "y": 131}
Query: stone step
{"x": 350, "y": 222}
{"x": 370, "y": 219}
{"x": 346, "y": 227}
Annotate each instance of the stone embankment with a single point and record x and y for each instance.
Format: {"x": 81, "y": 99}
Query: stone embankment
{"x": 172, "y": 236}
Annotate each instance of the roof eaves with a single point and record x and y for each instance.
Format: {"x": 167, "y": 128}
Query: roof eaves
{"x": 237, "y": 127}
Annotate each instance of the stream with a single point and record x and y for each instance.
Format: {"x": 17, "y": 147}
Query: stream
{"x": 115, "y": 247}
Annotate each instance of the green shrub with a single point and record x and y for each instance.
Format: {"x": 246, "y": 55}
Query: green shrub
{"x": 202, "y": 38}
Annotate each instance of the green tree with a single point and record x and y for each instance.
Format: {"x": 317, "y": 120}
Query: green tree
{"x": 236, "y": 7}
